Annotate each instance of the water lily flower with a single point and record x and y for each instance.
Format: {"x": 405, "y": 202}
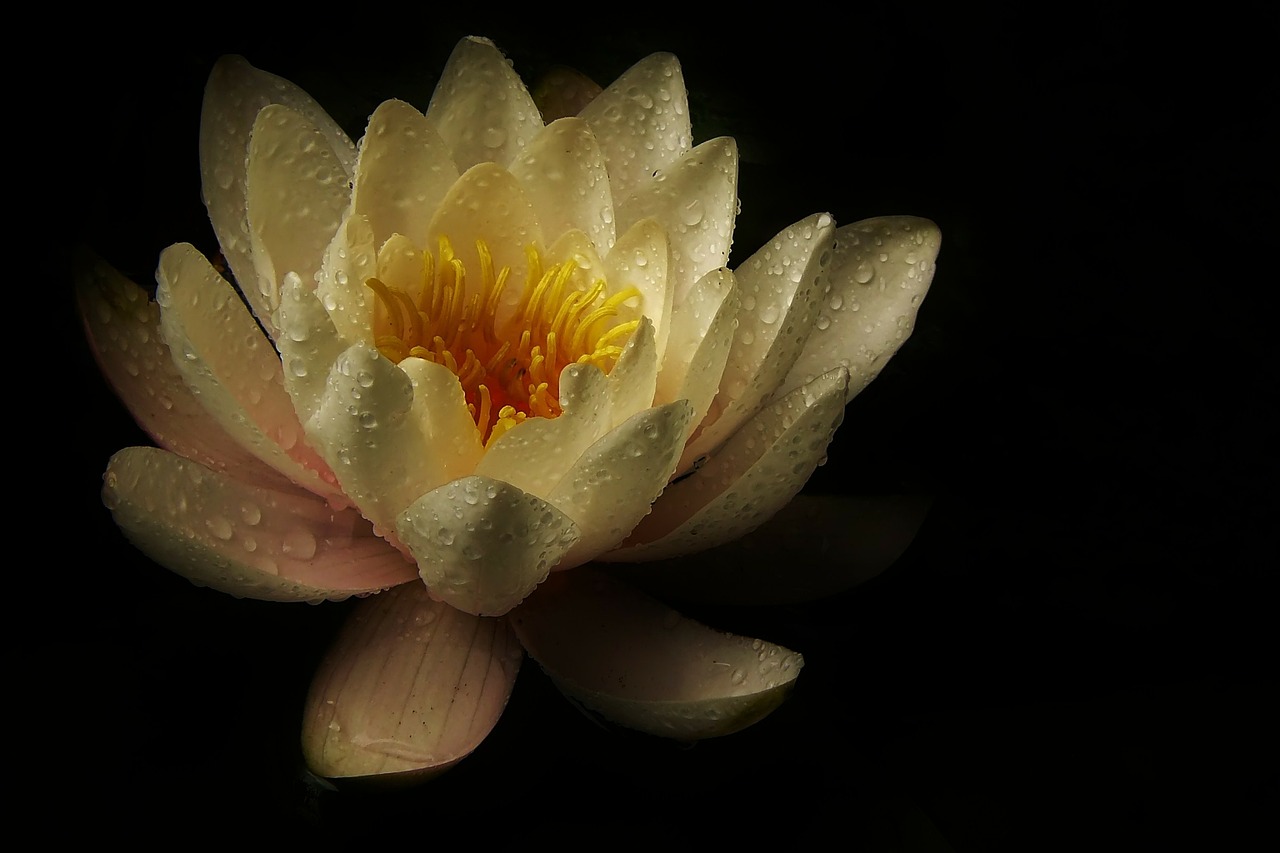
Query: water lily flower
{"x": 488, "y": 344}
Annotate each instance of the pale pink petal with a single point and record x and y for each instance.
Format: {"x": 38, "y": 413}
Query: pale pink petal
{"x": 748, "y": 479}
{"x": 296, "y": 194}
{"x": 228, "y": 362}
{"x": 696, "y": 201}
{"x": 403, "y": 172}
{"x": 481, "y": 108}
{"x": 234, "y": 95}
{"x": 123, "y": 328}
{"x": 779, "y": 288}
{"x": 409, "y": 688}
{"x": 641, "y": 122}
{"x": 613, "y": 484}
{"x": 639, "y": 663}
{"x": 483, "y": 545}
{"x": 563, "y": 174}
{"x": 815, "y": 547}
{"x": 251, "y": 542}
{"x": 879, "y": 274}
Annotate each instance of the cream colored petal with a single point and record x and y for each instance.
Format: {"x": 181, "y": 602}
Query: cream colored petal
{"x": 403, "y": 172}
{"x": 563, "y": 174}
{"x": 779, "y": 288}
{"x": 696, "y": 201}
{"x": 483, "y": 545}
{"x": 612, "y": 485}
{"x": 880, "y": 271}
{"x": 634, "y": 377}
{"x": 229, "y": 364}
{"x": 702, "y": 330}
{"x": 234, "y": 95}
{"x": 816, "y": 546}
{"x": 642, "y": 259}
{"x": 296, "y": 194}
{"x": 350, "y": 261}
{"x": 635, "y": 661}
{"x": 250, "y": 542}
{"x": 440, "y": 407}
{"x": 409, "y": 688}
{"x": 123, "y": 328}
{"x": 366, "y": 432}
{"x": 641, "y": 122}
{"x": 400, "y": 265}
{"x": 748, "y": 479}
{"x": 488, "y": 204}
{"x": 534, "y": 455}
{"x": 481, "y": 108}
{"x": 309, "y": 344}
{"x": 576, "y": 246}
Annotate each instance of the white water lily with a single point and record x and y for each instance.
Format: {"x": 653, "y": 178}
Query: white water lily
{"x": 473, "y": 351}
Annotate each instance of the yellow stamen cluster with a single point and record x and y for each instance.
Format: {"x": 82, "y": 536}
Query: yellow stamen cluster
{"x": 510, "y": 373}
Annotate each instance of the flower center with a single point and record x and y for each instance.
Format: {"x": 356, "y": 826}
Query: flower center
{"x": 509, "y": 371}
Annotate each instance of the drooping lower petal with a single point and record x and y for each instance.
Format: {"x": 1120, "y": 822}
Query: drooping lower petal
{"x": 410, "y": 687}
{"x": 748, "y": 479}
{"x": 240, "y": 539}
{"x": 621, "y": 654}
{"x": 483, "y": 545}
{"x": 816, "y": 546}
{"x": 880, "y": 271}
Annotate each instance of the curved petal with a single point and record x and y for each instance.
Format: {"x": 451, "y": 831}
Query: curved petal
{"x": 481, "y": 107}
{"x": 749, "y": 478}
{"x": 778, "y": 287}
{"x": 613, "y": 484}
{"x": 483, "y": 545}
{"x": 234, "y": 95}
{"x": 240, "y": 539}
{"x": 563, "y": 173}
{"x": 641, "y": 259}
{"x": 364, "y": 429}
{"x": 815, "y": 547}
{"x": 697, "y": 202}
{"x": 641, "y": 122}
{"x": 409, "y": 688}
{"x": 880, "y": 271}
{"x": 702, "y": 330}
{"x": 634, "y": 377}
{"x": 296, "y": 193}
{"x": 440, "y": 407}
{"x": 642, "y": 665}
{"x": 349, "y": 262}
{"x": 403, "y": 172}
{"x": 231, "y": 367}
{"x": 309, "y": 344}
{"x": 123, "y": 329}
{"x": 487, "y": 203}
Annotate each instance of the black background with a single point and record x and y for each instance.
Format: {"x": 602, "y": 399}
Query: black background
{"x": 1071, "y": 655}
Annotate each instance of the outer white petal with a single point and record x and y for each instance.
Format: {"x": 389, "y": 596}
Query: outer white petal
{"x": 483, "y": 545}
{"x": 815, "y": 547}
{"x": 749, "y": 478}
{"x": 234, "y": 95}
{"x": 247, "y": 541}
{"x": 879, "y": 275}
{"x": 123, "y": 327}
{"x": 641, "y": 122}
{"x": 611, "y": 486}
{"x": 535, "y": 455}
{"x": 638, "y": 663}
{"x": 229, "y": 364}
{"x": 778, "y": 287}
{"x": 642, "y": 259}
{"x": 487, "y": 203}
{"x": 563, "y": 173}
{"x": 410, "y": 687}
{"x": 365, "y": 430}
{"x": 403, "y": 172}
{"x": 296, "y": 193}
{"x": 697, "y": 202}
{"x": 481, "y": 107}
{"x": 701, "y": 333}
